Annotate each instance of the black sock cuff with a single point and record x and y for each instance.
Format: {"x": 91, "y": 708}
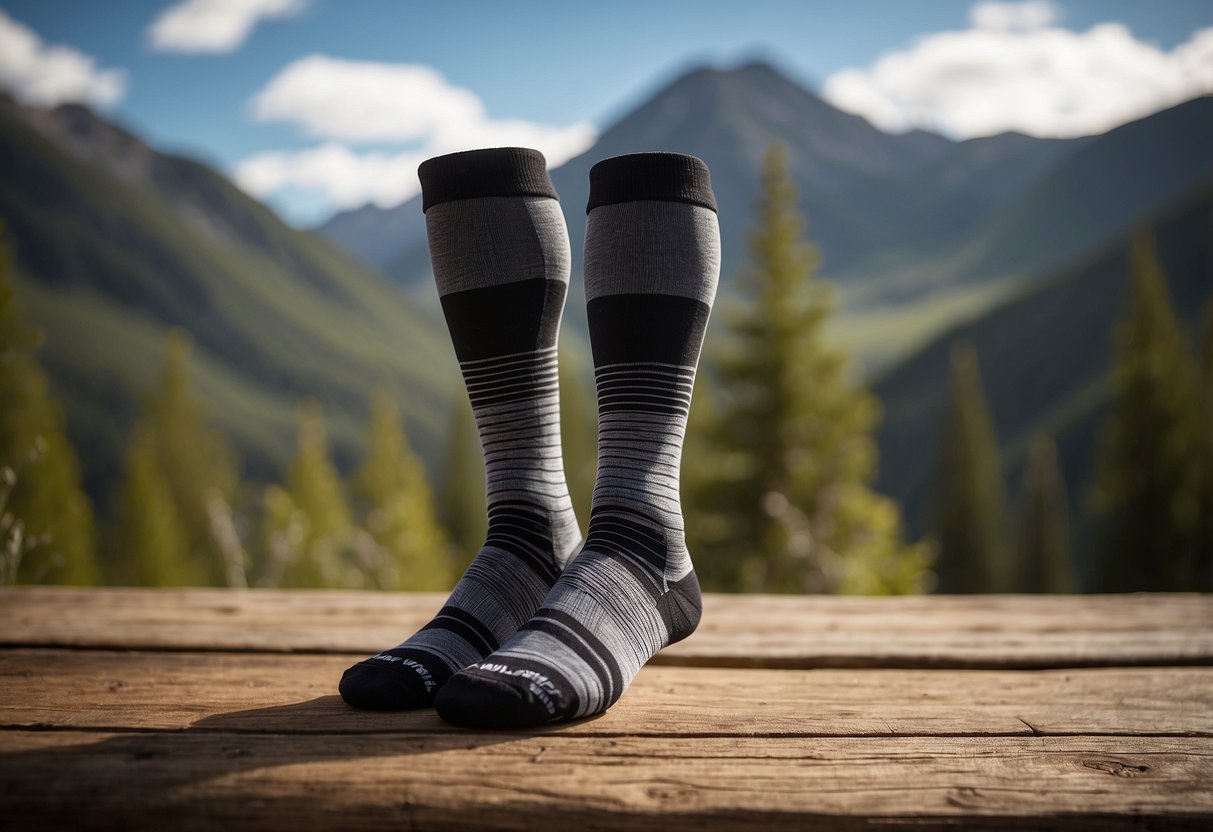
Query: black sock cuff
{"x": 664, "y": 177}
{"x": 498, "y": 171}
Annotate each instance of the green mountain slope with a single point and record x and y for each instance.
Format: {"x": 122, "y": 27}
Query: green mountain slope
{"x": 1045, "y": 361}
{"x": 1054, "y": 208}
{"x": 1103, "y": 186}
{"x": 947, "y": 198}
{"x": 116, "y": 243}
{"x": 1089, "y": 196}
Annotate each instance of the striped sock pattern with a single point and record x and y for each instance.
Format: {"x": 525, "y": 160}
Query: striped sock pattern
{"x": 652, "y": 262}
{"x": 500, "y": 255}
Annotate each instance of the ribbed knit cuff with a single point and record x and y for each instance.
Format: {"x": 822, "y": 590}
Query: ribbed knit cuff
{"x": 498, "y": 171}
{"x": 663, "y": 177}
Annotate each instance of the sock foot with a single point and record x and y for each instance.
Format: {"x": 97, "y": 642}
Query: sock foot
{"x": 478, "y": 698}
{"x": 602, "y": 621}
{"x": 388, "y": 682}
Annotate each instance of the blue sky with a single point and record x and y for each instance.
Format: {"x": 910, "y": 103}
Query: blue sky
{"x": 570, "y": 68}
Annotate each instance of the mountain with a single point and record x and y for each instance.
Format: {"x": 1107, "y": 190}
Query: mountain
{"x": 1041, "y": 206}
{"x": 918, "y": 232}
{"x": 1088, "y": 195}
{"x": 377, "y": 235}
{"x": 950, "y": 196}
{"x": 116, "y": 243}
{"x": 1046, "y": 359}
{"x": 727, "y": 118}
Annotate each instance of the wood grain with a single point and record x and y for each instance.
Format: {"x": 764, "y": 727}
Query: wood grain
{"x": 737, "y": 631}
{"x": 66, "y": 689}
{"x": 62, "y": 779}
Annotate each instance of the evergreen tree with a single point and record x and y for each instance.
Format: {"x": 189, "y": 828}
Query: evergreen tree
{"x": 579, "y": 438}
{"x": 314, "y": 498}
{"x": 400, "y": 516}
{"x": 151, "y": 540}
{"x": 1043, "y": 564}
{"x": 197, "y": 466}
{"x": 787, "y": 505}
{"x": 46, "y": 534}
{"x": 1204, "y": 428}
{"x": 1148, "y": 477}
{"x": 464, "y": 491}
{"x": 281, "y": 529}
{"x": 969, "y": 495}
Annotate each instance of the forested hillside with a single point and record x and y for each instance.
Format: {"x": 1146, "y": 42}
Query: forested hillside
{"x": 115, "y": 244}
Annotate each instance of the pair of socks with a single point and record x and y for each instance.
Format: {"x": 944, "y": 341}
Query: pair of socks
{"x": 544, "y": 627}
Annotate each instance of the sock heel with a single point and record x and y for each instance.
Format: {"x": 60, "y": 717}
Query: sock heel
{"x": 681, "y": 607}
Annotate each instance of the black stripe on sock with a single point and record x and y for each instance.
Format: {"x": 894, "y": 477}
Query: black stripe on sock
{"x": 487, "y": 641}
{"x": 638, "y": 405}
{"x": 614, "y": 533}
{"x": 665, "y": 177}
{"x": 645, "y": 577}
{"x": 539, "y": 562}
{"x": 462, "y": 627}
{"x": 503, "y": 320}
{"x": 525, "y": 530}
{"x": 641, "y": 327}
{"x": 497, "y": 171}
{"x": 606, "y": 668}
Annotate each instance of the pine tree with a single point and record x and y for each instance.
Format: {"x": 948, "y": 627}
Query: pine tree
{"x": 1204, "y": 428}
{"x": 197, "y": 466}
{"x": 399, "y": 507}
{"x": 787, "y": 504}
{"x": 316, "y": 500}
{"x": 151, "y": 540}
{"x": 1147, "y": 482}
{"x": 46, "y": 532}
{"x": 464, "y": 491}
{"x": 969, "y": 495}
{"x": 579, "y": 437}
{"x": 1044, "y": 564}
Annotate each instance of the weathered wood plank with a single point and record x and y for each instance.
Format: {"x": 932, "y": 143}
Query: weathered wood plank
{"x": 951, "y": 631}
{"x": 68, "y": 689}
{"x": 55, "y": 779}
{"x": 745, "y": 631}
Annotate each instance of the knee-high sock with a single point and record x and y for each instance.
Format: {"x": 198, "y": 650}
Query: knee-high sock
{"x": 500, "y": 253}
{"x": 652, "y": 258}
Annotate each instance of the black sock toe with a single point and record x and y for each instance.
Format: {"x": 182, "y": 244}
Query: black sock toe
{"x": 488, "y": 701}
{"x": 378, "y": 686}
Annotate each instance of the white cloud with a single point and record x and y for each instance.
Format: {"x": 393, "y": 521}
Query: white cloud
{"x": 1033, "y": 14}
{"x": 346, "y": 178}
{"x": 366, "y": 101}
{"x": 351, "y": 102}
{"x": 214, "y": 26}
{"x": 1015, "y": 71}
{"x": 46, "y": 75}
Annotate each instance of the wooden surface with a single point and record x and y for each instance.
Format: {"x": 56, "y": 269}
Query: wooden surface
{"x": 207, "y": 708}
{"x": 737, "y": 630}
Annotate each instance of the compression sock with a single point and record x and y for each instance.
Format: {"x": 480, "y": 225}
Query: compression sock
{"x": 652, "y": 261}
{"x": 500, "y": 253}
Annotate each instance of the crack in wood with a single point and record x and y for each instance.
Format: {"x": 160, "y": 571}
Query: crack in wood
{"x": 1031, "y": 727}
{"x": 1116, "y": 768}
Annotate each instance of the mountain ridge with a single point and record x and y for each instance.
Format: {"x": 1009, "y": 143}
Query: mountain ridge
{"x": 909, "y": 225}
{"x": 689, "y": 114}
{"x": 115, "y": 243}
